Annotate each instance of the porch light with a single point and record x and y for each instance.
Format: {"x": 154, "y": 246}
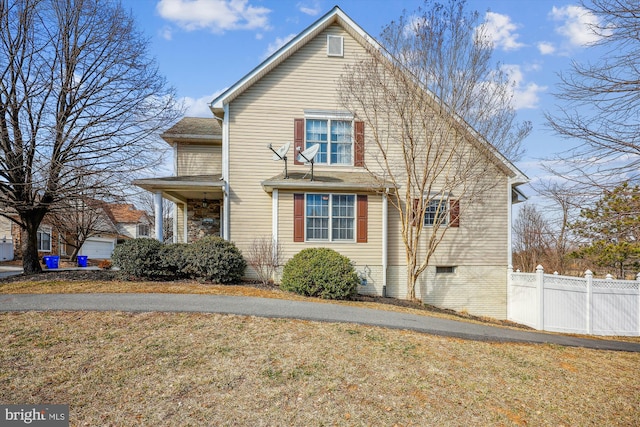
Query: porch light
{"x": 204, "y": 201}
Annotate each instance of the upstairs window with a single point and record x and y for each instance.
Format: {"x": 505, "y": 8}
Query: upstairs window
{"x": 335, "y": 138}
{"x": 143, "y": 230}
{"x": 341, "y": 139}
{"x": 436, "y": 213}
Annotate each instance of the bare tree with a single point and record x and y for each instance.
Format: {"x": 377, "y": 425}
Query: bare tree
{"x": 265, "y": 256}
{"x": 531, "y": 241}
{"x": 601, "y": 100}
{"x": 80, "y": 104}
{"x": 561, "y": 206}
{"x": 76, "y": 220}
{"x": 145, "y": 200}
{"x": 417, "y": 94}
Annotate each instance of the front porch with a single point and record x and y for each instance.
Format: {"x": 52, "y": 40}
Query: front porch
{"x": 198, "y": 200}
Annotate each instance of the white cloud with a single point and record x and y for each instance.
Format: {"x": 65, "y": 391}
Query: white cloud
{"x": 215, "y": 15}
{"x": 199, "y": 107}
{"x": 546, "y": 48}
{"x": 166, "y": 33}
{"x": 524, "y": 95}
{"x": 501, "y": 31}
{"x": 312, "y": 9}
{"x": 577, "y": 24}
{"x": 277, "y": 44}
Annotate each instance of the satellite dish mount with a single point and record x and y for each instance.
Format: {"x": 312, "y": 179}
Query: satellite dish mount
{"x": 281, "y": 154}
{"x": 307, "y": 156}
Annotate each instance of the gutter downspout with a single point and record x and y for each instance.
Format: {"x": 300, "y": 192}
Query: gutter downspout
{"x": 384, "y": 241}
{"x": 509, "y": 244}
{"x": 225, "y": 173}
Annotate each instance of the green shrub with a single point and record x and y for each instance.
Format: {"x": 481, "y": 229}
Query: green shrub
{"x": 215, "y": 259}
{"x": 173, "y": 261}
{"x": 139, "y": 257}
{"x": 320, "y": 272}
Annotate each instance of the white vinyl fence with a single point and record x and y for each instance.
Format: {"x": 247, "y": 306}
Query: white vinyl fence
{"x": 551, "y": 302}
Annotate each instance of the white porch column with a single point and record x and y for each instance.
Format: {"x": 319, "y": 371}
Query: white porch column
{"x": 274, "y": 217}
{"x": 157, "y": 202}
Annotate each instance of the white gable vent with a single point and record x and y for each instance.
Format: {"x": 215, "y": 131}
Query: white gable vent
{"x": 335, "y": 45}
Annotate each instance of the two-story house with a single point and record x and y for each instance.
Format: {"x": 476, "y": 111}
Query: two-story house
{"x": 227, "y": 182}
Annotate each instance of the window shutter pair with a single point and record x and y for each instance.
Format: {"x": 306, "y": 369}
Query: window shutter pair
{"x": 454, "y": 213}
{"x": 362, "y": 218}
{"x": 358, "y": 149}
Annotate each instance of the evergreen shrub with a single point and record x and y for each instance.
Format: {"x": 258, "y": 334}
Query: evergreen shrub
{"x": 320, "y": 272}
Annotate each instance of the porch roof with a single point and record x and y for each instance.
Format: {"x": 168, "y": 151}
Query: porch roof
{"x": 180, "y": 188}
{"x": 323, "y": 181}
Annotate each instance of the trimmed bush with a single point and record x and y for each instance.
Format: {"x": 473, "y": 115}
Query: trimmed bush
{"x": 215, "y": 259}
{"x": 320, "y": 272}
{"x": 173, "y": 261}
{"x": 139, "y": 257}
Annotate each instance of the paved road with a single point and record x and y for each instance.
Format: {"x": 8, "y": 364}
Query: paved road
{"x": 325, "y": 312}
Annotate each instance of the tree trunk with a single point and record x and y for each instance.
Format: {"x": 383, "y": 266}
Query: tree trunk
{"x": 29, "y": 246}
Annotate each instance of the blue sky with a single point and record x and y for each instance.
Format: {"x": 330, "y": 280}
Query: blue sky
{"x": 205, "y": 46}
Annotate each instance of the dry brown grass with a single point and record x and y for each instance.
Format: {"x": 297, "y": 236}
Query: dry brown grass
{"x": 178, "y": 369}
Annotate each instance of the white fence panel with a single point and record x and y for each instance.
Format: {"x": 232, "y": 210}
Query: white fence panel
{"x": 616, "y": 308}
{"x": 575, "y": 305}
{"x": 565, "y": 304}
{"x": 522, "y": 292}
{"x": 6, "y": 250}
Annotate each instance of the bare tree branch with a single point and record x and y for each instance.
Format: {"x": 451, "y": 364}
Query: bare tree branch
{"x": 80, "y": 102}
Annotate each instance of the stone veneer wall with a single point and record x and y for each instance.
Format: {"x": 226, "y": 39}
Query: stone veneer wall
{"x": 202, "y": 221}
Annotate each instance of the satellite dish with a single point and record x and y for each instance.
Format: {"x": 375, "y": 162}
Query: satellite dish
{"x": 308, "y": 155}
{"x": 280, "y": 153}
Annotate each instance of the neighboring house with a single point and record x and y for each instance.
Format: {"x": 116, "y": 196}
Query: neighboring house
{"x": 130, "y": 222}
{"x": 114, "y": 223}
{"x": 227, "y": 184}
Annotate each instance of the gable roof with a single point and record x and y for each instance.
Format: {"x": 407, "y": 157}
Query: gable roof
{"x": 124, "y": 213}
{"x": 194, "y": 128}
{"x": 337, "y": 16}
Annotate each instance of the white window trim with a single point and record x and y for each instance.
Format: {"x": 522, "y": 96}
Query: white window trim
{"x": 330, "y": 116}
{"x": 331, "y": 239}
{"x": 48, "y": 230}
{"x": 447, "y": 211}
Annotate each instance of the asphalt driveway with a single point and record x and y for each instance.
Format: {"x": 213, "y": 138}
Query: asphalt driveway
{"x": 277, "y": 308}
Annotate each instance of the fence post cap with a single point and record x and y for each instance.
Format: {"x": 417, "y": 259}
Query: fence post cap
{"x": 609, "y": 277}
{"x": 588, "y": 273}
{"x": 539, "y": 268}
{"x": 638, "y": 276}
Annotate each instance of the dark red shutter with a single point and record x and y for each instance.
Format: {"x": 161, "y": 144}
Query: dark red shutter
{"x": 298, "y": 217}
{"x": 454, "y": 213}
{"x": 363, "y": 217}
{"x": 298, "y": 139}
{"x": 359, "y": 144}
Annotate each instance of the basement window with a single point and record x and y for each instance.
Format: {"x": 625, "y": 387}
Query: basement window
{"x": 445, "y": 270}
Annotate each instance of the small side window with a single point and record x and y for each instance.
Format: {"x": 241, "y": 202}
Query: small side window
{"x": 445, "y": 270}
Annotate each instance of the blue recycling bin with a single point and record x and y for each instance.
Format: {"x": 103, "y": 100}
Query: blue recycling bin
{"x": 51, "y": 261}
{"x": 82, "y": 260}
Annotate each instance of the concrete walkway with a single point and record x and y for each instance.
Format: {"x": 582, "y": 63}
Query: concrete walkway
{"x": 277, "y": 308}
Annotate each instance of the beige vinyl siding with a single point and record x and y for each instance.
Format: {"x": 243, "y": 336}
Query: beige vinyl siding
{"x": 199, "y": 159}
{"x": 264, "y": 115}
{"x": 179, "y": 232}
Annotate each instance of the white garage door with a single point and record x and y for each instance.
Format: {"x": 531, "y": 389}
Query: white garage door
{"x": 97, "y": 248}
